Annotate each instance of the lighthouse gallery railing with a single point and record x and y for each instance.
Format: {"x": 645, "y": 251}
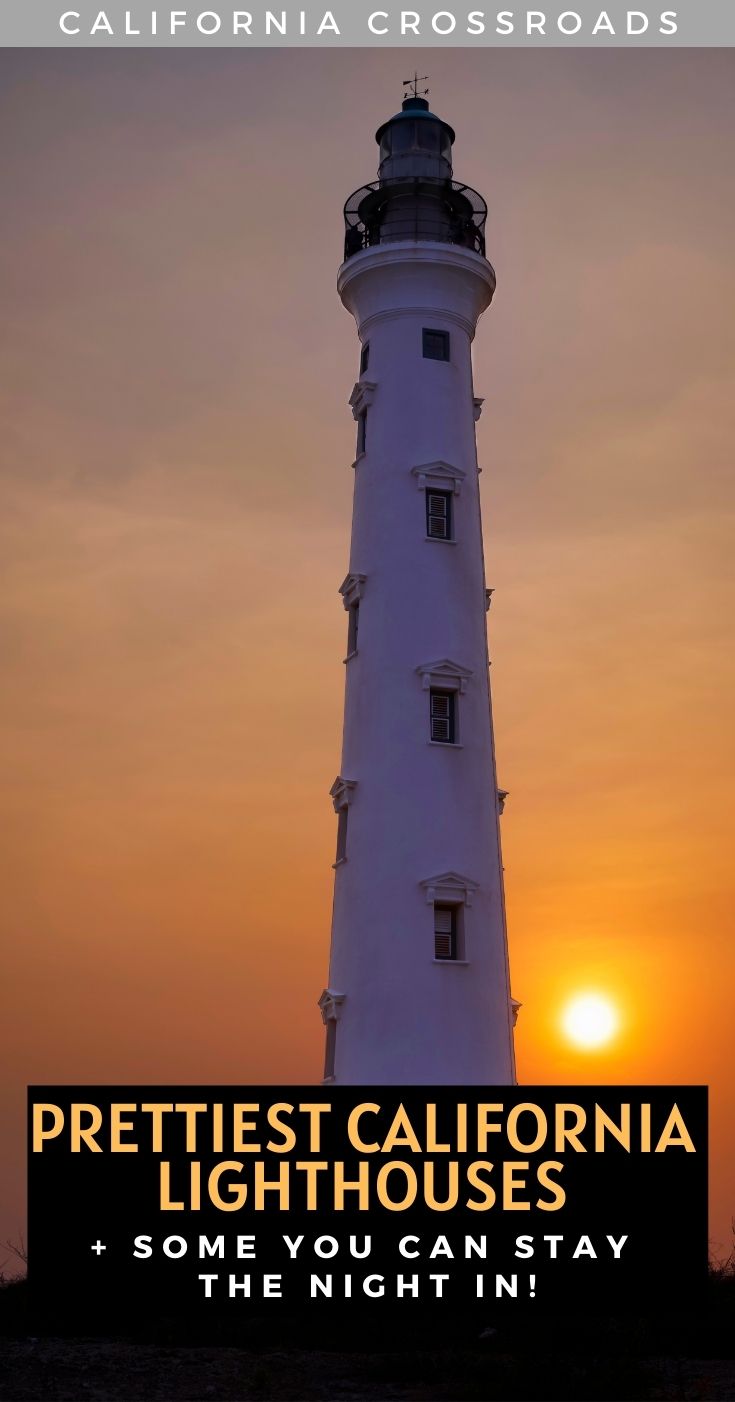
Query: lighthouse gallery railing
{"x": 441, "y": 211}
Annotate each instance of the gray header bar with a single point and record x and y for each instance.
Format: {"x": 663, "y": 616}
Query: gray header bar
{"x": 207, "y": 24}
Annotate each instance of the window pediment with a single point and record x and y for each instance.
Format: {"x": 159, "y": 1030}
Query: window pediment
{"x": 342, "y": 792}
{"x": 450, "y": 888}
{"x": 330, "y": 1005}
{"x": 351, "y": 589}
{"x": 445, "y": 674}
{"x": 362, "y": 397}
{"x": 440, "y": 476}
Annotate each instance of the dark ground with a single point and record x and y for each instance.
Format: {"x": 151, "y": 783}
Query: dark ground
{"x": 669, "y": 1357}
{"x": 67, "y": 1370}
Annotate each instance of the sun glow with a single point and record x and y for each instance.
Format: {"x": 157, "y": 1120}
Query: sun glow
{"x": 590, "y": 1021}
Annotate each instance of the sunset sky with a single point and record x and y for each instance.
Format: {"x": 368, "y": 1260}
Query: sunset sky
{"x": 176, "y": 496}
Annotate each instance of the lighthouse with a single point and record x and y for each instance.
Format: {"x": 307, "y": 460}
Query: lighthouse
{"x": 418, "y": 990}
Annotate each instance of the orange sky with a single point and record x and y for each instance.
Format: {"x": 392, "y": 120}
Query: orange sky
{"x": 175, "y": 520}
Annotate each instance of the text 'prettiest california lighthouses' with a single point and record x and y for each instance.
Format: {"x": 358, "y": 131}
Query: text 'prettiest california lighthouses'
{"x": 418, "y": 981}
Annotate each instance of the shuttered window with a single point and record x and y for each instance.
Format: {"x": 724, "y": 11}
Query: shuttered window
{"x": 342, "y": 834}
{"x": 442, "y": 716}
{"x": 353, "y": 623}
{"x": 445, "y": 932}
{"x": 330, "y": 1049}
{"x": 435, "y": 344}
{"x": 439, "y": 515}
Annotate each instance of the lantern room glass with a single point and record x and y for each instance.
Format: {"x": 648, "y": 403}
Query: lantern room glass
{"x": 426, "y": 137}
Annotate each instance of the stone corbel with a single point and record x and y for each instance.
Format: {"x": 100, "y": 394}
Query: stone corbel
{"x": 502, "y": 795}
{"x": 477, "y": 407}
{"x": 515, "y": 1008}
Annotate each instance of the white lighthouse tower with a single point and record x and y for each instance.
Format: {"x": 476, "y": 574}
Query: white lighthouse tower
{"x": 418, "y": 981}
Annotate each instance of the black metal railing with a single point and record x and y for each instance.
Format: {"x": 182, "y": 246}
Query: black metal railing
{"x": 439, "y": 211}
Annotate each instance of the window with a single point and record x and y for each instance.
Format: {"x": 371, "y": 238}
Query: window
{"x": 361, "y": 432}
{"x": 364, "y": 357}
{"x": 360, "y": 400}
{"x": 330, "y": 1007}
{"x": 436, "y": 344}
{"x": 341, "y": 794}
{"x": 442, "y": 710}
{"x": 351, "y": 590}
{"x": 450, "y": 896}
{"x": 342, "y": 834}
{"x": 445, "y": 931}
{"x": 439, "y": 515}
{"x": 353, "y": 623}
{"x": 330, "y": 1049}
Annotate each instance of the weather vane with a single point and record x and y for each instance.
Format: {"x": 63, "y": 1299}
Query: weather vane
{"x": 410, "y": 84}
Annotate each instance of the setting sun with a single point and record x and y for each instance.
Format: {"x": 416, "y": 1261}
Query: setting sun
{"x": 590, "y": 1021}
